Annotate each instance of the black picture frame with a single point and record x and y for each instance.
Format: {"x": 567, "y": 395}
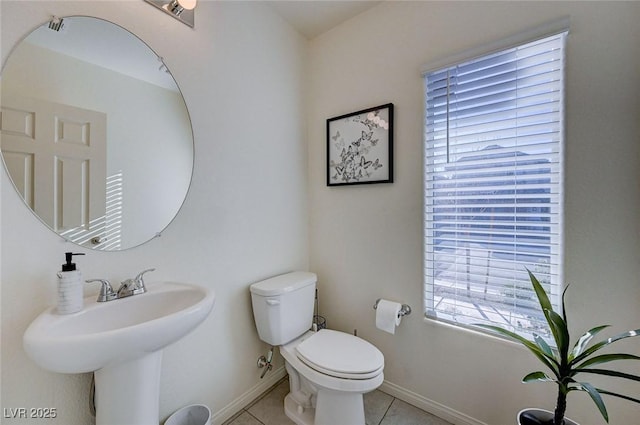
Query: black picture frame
{"x": 360, "y": 147}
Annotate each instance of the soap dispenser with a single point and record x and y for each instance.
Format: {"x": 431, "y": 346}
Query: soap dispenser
{"x": 70, "y": 291}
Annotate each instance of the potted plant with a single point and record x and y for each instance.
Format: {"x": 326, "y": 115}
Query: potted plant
{"x": 565, "y": 362}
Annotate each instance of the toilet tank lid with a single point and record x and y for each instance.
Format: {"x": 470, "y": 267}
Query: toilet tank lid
{"x": 283, "y": 283}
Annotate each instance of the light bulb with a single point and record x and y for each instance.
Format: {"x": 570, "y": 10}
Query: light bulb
{"x": 187, "y": 4}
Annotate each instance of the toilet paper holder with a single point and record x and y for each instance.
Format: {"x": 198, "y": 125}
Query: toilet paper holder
{"x": 405, "y": 310}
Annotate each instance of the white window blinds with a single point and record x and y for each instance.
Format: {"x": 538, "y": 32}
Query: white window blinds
{"x": 493, "y": 185}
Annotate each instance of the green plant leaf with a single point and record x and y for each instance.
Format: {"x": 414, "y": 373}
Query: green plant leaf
{"x": 556, "y": 322}
{"x": 607, "y": 358}
{"x": 543, "y": 299}
{"x": 564, "y": 310}
{"x": 635, "y": 400}
{"x": 559, "y": 330}
{"x": 597, "y": 399}
{"x": 581, "y": 344}
{"x": 537, "y": 376}
{"x": 549, "y": 361}
{"x": 589, "y": 351}
{"x": 608, "y": 372}
{"x": 543, "y": 345}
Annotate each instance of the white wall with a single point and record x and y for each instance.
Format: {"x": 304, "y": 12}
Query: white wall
{"x": 245, "y": 218}
{"x": 246, "y": 215}
{"x": 366, "y": 241}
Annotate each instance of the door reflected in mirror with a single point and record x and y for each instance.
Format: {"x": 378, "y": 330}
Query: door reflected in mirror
{"x": 95, "y": 133}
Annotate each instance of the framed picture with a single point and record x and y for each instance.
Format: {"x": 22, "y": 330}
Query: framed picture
{"x": 360, "y": 147}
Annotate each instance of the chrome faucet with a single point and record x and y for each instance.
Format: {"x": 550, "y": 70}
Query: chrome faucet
{"x": 106, "y": 290}
{"x": 127, "y": 288}
{"x": 133, "y": 286}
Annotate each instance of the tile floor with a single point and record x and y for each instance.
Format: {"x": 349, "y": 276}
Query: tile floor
{"x": 380, "y": 409}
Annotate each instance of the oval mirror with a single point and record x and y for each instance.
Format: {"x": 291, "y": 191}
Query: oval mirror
{"x": 95, "y": 133}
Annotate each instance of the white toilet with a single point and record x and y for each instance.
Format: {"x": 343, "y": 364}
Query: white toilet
{"x": 329, "y": 371}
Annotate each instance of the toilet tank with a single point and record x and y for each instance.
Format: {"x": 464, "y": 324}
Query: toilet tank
{"x": 283, "y": 306}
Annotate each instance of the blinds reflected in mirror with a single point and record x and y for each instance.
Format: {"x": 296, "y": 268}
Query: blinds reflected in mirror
{"x": 104, "y": 233}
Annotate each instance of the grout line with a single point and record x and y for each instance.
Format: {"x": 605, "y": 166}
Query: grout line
{"x": 232, "y": 419}
{"x": 387, "y": 411}
{"x": 262, "y": 423}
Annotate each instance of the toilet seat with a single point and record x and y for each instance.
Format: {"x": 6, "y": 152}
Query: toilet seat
{"x": 340, "y": 355}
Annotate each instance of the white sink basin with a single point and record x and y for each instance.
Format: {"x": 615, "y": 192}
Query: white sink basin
{"x": 115, "y": 331}
{"x": 121, "y": 341}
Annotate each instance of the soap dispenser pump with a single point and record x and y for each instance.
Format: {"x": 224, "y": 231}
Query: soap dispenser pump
{"x": 70, "y": 291}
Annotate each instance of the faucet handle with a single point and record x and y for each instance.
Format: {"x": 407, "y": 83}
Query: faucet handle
{"x": 106, "y": 290}
{"x": 139, "y": 278}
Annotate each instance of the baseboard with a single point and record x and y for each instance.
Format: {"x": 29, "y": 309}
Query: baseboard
{"x": 433, "y": 407}
{"x": 438, "y": 409}
{"x": 256, "y": 391}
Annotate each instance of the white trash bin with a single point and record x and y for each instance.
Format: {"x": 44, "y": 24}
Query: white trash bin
{"x": 196, "y": 414}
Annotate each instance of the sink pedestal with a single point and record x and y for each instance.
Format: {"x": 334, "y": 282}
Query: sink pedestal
{"x": 128, "y": 392}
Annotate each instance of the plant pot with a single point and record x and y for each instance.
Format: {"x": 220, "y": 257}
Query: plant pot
{"x": 544, "y": 417}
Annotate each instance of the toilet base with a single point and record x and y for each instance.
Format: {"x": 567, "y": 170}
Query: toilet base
{"x": 297, "y": 413}
{"x": 331, "y": 408}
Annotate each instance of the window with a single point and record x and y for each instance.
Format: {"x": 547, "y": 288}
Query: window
{"x": 493, "y": 186}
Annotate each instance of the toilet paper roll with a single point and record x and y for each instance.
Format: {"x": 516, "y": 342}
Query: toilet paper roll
{"x": 387, "y": 316}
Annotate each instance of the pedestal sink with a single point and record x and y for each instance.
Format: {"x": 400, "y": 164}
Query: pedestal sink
{"x": 121, "y": 341}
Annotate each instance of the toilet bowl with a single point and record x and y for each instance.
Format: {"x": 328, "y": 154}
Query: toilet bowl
{"x": 329, "y": 371}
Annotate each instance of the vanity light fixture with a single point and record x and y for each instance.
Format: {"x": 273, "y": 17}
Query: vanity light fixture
{"x": 182, "y": 10}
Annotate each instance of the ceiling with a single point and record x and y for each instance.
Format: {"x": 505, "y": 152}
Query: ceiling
{"x": 106, "y": 45}
{"x": 77, "y": 36}
{"x": 314, "y": 17}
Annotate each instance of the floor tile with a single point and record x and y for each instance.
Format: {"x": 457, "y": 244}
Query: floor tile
{"x": 401, "y": 413}
{"x": 376, "y": 404}
{"x": 380, "y": 409}
{"x": 270, "y": 409}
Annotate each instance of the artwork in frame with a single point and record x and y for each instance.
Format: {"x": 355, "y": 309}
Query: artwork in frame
{"x": 360, "y": 147}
